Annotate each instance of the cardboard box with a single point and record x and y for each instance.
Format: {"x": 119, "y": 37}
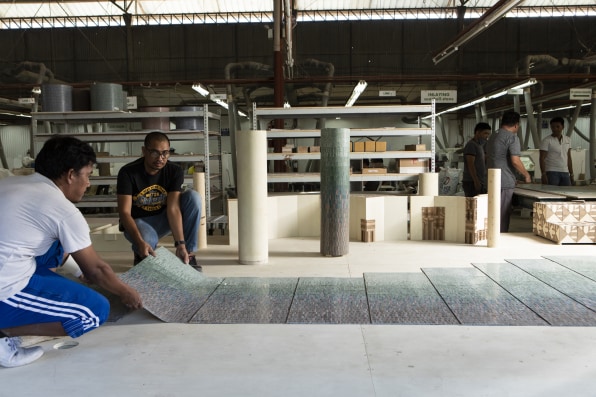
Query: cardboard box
{"x": 412, "y": 166}
{"x": 317, "y": 149}
{"x": 359, "y": 146}
{"x": 380, "y": 146}
{"x": 374, "y": 170}
{"x": 369, "y": 146}
{"x": 302, "y": 149}
{"x": 415, "y": 148}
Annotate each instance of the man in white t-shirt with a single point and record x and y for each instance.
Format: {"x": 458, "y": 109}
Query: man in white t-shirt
{"x": 555, "y": 156}
{"x": 38, "y": 210}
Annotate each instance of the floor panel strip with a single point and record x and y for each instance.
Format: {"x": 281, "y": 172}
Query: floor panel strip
{"x": 329, "y": 300}
{"x": 405, "y": 298}
{"x": 477, "y": 300}
{"x": 553, "y": 306}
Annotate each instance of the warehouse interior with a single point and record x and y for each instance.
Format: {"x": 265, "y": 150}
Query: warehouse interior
{"x": 236, "y": 58}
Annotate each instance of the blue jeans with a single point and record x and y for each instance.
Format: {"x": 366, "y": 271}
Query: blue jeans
{"x": 152, "y": 228}
{"x": 558, "y": 178}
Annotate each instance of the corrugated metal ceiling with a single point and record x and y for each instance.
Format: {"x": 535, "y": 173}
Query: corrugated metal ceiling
{"x": 60, "y": 9}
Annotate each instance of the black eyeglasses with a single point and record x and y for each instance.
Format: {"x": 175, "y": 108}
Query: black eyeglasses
{"x": 156, "y": 153}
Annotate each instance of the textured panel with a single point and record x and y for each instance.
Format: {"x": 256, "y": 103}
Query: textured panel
{"x": 476, "y": 219}
{"x": 171, "y": 290}
{"x": 330, "y": 300}
{"x": 572, "y": 284}
{"x": 565, "y": 222}
{"x": 335, "y": 191}
{"x": 405, "y": 298}
{"x": 433, "y": 223}
{"x": 550, "y": 304}
{"x": 476, "y": 299}
{"x": 248, "y": 300}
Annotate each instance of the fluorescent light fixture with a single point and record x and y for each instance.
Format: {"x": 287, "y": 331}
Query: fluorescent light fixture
{"x": 205, "y": 92}
{"x": 358, "y": 89}
{"x": 495, "y": 13}
{"x": 562, "y": 108}
{"x": 15, "y": 114}
{"x": 200, "y": 89}
{"x": 484, "y": 98}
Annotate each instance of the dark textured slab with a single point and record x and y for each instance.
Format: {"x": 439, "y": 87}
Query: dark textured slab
{"x": 553, "y": 306}
{"x": 584, "y": 265}
{"x": 477, "y": 300}
{"x": 252, "y": 300}
{"x": 570, "y": 283}
{"x": 329, "y": 300}
{"x": 171, "y": 290}
{"x": 405, "y": 298}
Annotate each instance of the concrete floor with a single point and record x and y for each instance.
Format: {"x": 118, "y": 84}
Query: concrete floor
{"x": 141, "y": 356}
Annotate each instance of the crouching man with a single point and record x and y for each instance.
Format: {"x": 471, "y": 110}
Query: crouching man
{"x": 37, "y": 211}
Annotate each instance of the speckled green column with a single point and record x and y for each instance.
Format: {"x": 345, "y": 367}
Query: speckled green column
{"x": 335, "y": 191}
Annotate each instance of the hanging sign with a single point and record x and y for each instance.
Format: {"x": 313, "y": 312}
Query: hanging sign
{"x": 387, "y": 93}
{"x": 131, "y": 102}
{"x": 440, "y": 96}
{"x": 578, "y": 94}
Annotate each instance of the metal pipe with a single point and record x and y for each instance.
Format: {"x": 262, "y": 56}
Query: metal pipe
{"x": 531, "y": 119}
{"x": 573, "y": 121}
{"x": 592, "y": 136}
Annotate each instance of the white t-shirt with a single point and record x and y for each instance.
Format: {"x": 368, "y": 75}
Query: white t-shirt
{"x": 556, "y": 158}
{"x": 35, "y": 213}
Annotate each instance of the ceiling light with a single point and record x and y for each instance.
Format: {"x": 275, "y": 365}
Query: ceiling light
{"x": 562, "y": 108}
{"x": 200, "y": 89}
{"x": 205, "y": 92}
{"x": 495, "y": 13}
{"x": 358, "y": 89}
{"x": 484, "y": 98}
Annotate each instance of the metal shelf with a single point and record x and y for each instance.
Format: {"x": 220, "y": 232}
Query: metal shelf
{"x": 339, "y": 111}
{"x": 354, "y": 132}
{"x": 355, "y": 111}
{"x": 316, "y": 177}
{"x": 97, "y": 118}
{"x": 402, "y": 154}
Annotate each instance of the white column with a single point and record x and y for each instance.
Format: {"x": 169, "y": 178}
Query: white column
{"x": 493, "y": 233}
{"x": 251, "y": 155}
{"x": 428, "y": 184}
{"x": 198, "y": 180}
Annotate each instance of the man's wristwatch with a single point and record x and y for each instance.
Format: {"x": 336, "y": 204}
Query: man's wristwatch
{"x": 179, "y": 242}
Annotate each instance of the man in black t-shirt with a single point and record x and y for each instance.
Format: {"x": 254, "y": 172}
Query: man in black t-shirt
{"x": 151, "y": 203}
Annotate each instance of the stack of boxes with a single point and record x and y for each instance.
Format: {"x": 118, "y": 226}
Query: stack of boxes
{"x": 413, "y": 165}
{"x": 371, "y": 146}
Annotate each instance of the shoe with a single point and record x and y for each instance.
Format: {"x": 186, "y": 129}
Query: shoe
{"x": 13, "y": 355}
{"x": 192, "y": 261}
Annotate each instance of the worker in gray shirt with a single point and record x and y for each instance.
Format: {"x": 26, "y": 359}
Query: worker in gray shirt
{"x": 503, "y": 151}
{"x": 474, "y": 178}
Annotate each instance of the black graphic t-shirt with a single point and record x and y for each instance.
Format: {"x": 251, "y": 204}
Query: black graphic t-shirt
{"x": 149, "y": 192}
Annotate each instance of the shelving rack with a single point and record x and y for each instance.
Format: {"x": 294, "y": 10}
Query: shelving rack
{"x": 77, "y": 123}
{"x": 259, "y": 114}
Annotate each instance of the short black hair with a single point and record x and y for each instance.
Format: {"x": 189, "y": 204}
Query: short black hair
{"x": 62, "y": 153}
{"x": 510, "y": 118}
{"x": 558, "y": 120}
{"x": 481, "y": 127}
{"x": 155, "y": 136}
